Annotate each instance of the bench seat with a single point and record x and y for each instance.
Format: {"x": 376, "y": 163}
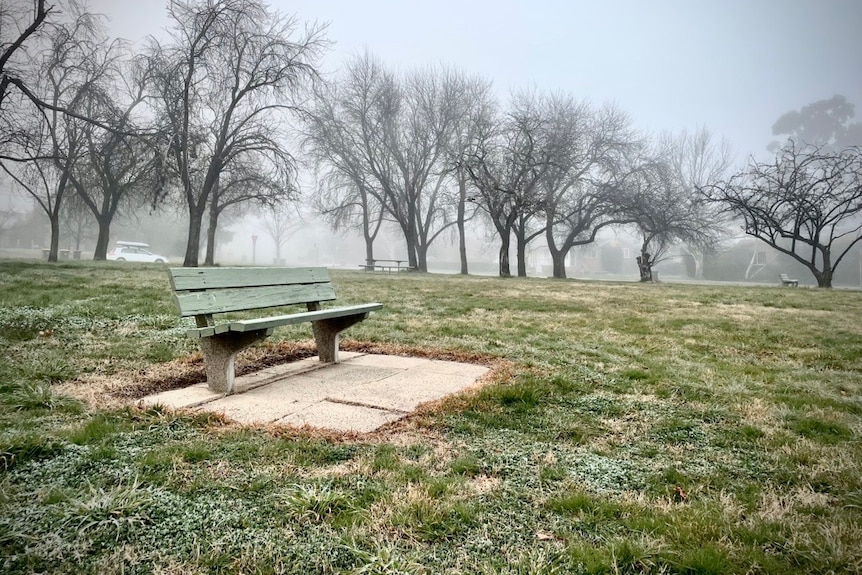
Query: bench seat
{"x": 788, "y": 281}
{"x": 282, "y": 320}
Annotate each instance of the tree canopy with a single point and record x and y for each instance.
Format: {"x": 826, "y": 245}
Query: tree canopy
{"x": 821, "y": 123}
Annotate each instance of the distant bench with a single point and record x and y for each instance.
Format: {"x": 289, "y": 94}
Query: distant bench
{"x": 203, "y": 292}
{"x": 387, "y": 266}
{"x": 787, "y": 281}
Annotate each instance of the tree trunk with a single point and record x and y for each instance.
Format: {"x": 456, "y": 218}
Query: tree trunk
{"x": 369, "y": 254}
{"x": 194, "y": 239}
{"x": 558, "y": 257}
{"x": 209, "y": 259}
{"x": 422, "y": 257}
{"x": 411, "y": 252}
{"x": 412, "y": 236}
{"x": 505, "y": 270}
{"x": 104, "y": 238}
{"x": 55, "y": 237}
{"x": 462, "y": 236}
{"x": 645, "y": 266}
{"x": 521, "y": 249}
{"x": 368, "y": 237}
{"x": 54, "y": 215}
{"x": 825, "y": 279}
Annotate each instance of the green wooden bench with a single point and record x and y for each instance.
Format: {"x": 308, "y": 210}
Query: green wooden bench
{"x": 204, "y": 292}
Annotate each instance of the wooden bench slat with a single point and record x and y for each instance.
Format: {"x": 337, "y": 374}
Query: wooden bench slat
{"x": 282, "y": 320}
{"x": 279, "y": 320}
{"x": 208, "y": 331}
{"x": 240, "y": 299}
{"x": 788, "y": 281}
{"x": 183, "y": 279}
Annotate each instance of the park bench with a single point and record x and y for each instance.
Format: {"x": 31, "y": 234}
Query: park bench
{"x": 204, "y": 292}
{"x": 786, "y": 281}
{"x": 387, "y": 266}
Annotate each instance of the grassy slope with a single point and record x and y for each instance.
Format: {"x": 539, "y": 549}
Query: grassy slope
{"x": 643, "y": 428}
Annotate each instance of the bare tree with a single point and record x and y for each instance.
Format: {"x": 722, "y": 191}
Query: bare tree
{"x": 25, "y": 26}
{"x": 505, "y": 164}
{"x": 118, "y": 163}
{"x": 441, "y": 101}
{"x": 232, "y": 71}
{"x": 412, "y": 171}
{"x": 347, "y": 203}
{"x": 527, "y": 142}
{"x": 478, "y": 103}
{"x": 805, "y": 203}
{"x": 39, "y": 179}
{"x": 244, "y": 183}
{"x": 68, "y": 72}
{"x": 388, "y": 139}
{"x": 662, "y": 194}
{"x": 586, "y": 148}
{"x": 281, "y": 222}
{"x": 342, "y": 136}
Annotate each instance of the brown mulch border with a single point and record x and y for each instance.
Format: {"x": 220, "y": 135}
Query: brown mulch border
{"x": 123, "y": 389}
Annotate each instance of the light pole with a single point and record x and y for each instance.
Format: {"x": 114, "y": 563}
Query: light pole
{"x": 253, "y": 247}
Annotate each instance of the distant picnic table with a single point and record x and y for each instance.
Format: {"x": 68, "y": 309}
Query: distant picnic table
{"x": 387, "y": 266}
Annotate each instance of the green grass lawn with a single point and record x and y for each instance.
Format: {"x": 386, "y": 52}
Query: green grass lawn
{"x": 635, "y": 429}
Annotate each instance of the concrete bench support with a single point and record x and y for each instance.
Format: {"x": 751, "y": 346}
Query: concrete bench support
{"x": 219, "y": 353}
{"x": 326, "y": 334}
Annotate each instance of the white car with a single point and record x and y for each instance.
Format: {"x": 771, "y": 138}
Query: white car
{"x": 134, "y": 252}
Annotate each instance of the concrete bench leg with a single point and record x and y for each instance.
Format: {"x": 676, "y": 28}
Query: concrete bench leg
{"x": 219, "y": 353}
{"x": 326, "y": 335}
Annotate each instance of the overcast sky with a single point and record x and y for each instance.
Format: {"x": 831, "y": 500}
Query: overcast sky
{"x": 732, "y": 65}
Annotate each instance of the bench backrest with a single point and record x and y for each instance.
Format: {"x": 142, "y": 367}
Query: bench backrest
{"x": 206, "y": 291}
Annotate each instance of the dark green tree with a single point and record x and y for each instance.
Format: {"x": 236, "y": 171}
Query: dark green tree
{"x": 821, "y": 123}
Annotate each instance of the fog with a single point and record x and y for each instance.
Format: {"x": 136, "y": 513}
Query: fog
{"x": 733, "y": 66}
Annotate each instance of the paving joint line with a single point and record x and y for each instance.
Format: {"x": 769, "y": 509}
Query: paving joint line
{"x": 368, "y": 405}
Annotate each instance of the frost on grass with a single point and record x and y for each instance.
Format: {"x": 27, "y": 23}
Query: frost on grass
{"x": 27, "y": 322}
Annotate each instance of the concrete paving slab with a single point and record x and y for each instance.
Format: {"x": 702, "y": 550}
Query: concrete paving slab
{"x": 394, "y": 361}
{"x": 360, "y": 393}
{"x": 285, "y": 396}
{"x": 184, "y": 397}
{"x": 405, "y": 391}
{"x": 341, "y": 417}
{"x": 275, "y": 372}
{"x": 457, "y": 369}
{"x": 244, "y": 409}
{"x": 199, "y": 394}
